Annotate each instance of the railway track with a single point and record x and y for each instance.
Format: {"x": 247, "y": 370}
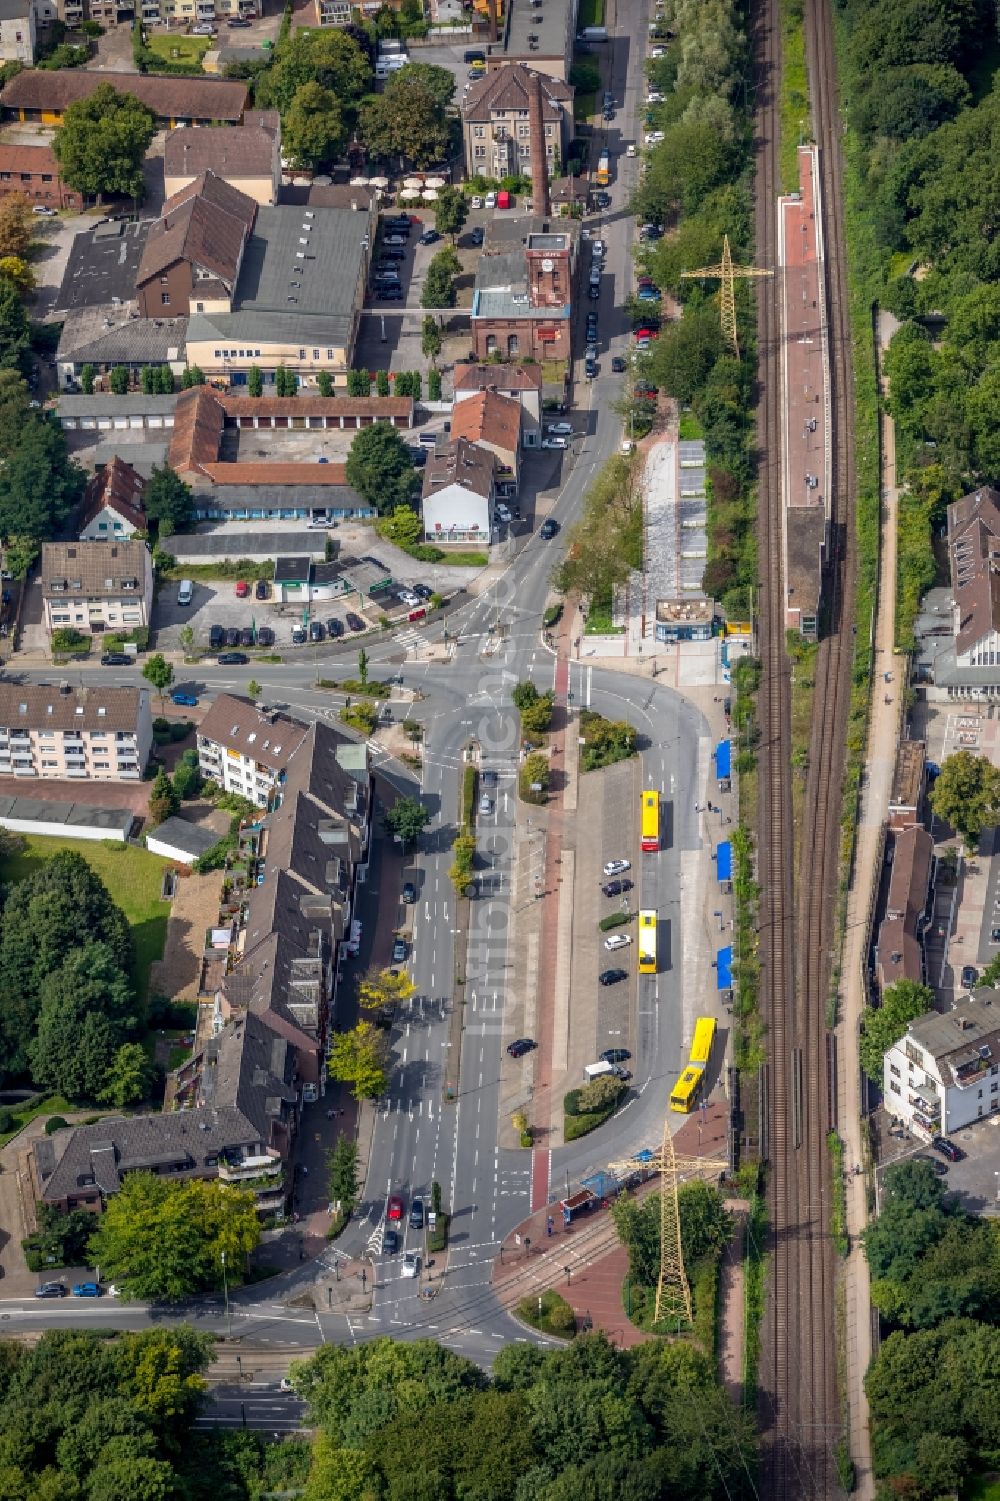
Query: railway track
{"x": 799, "y": 1408}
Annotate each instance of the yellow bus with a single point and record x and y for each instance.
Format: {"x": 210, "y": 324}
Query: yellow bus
{"x": 651, "y": 821}
{"x": 684, "y": 1095}
{"x": 647, "y": 943}
{"x": 704, "y": 1037}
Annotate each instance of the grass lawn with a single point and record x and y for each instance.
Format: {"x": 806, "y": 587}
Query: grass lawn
{"x": 180, "y": 49}
{"x": 599, "y": 621}
{"x": 983, "y": 1488}
{"x": 591, "y": 14}
{"x": 794, "y": 93}
{"x": 690, "y": 429}
{"x": 132, "y": 876}
{"x": 51, "y": 1104}
{"x": 584, "y": 105}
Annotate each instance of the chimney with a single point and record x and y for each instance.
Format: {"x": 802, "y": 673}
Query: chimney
{"x": 539, "y": 162}
{"x": 491, "y": 8}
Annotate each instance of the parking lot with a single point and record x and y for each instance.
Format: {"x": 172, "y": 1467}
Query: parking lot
{"x": 976, "y": 1179}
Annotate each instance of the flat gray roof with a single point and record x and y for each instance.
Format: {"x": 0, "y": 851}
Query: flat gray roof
{"x": 102, "y": 264}
{"x": 135, "y": 404}
{"x": 246, "y": 544}
{"x": 548, "y": 24}
{"x": 66, "y": 816}
{"x": 193, "y": 838}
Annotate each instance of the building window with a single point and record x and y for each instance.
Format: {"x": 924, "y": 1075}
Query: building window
{"x": 479, "y": 131}
{"x": 329, "y": 354}
{"x": 165, "y": 299}
{"x": 480, "y": 150}
{"x": 512, "y": 344}
{"x": 491, "y": 343}
{"x": 302, "y": 354}
{"x": 315, "y": 354}
{"x": 894, "y": 1086}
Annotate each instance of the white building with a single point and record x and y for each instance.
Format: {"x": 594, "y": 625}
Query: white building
{"x": 246, "y": 750}
{"x": 522, "y": 383}
{"x": 94, "y": 734}
{"x": 944, "y": 1072}
{"x": 459, "y": 494}
{"x": 96, "y": 586}
{"x": 17, "y": 31}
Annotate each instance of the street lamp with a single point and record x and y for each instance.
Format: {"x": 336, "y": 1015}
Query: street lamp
{"x": 225, "y": 1294}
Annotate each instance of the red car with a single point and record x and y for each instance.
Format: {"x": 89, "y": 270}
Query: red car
{"x": 242, "y": 589}
{"x": 394, "y": 1208}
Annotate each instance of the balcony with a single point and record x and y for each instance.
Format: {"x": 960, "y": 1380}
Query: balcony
{"x": 253, "y": 1172}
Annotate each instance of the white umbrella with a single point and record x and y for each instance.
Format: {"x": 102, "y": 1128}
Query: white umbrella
{"x": 410, "y": 193}
{"x": 434, "y": 182}
{"x": 359, "y": 182}
{"x": 379, "y": 182}
{"x": 413, "y": 182}
{"x": 429, "y": 194}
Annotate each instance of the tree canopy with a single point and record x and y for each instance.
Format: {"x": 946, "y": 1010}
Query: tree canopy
{"x": 39, "y": 484}
{"x": 168, "y": 500}
{"x": 885, "y": 1024}
{"x": 407, "y": 818}
{"x": 380, "y": 467}
{"x": 313, "y": 132}
{"x": 86, "y": 1010}
{"x": 331, "y": 58}
{"x": 102, "y": 141}
{"x": 966, "y": 794}
{"x": 407, "y": 120}
{"x": 163, "y": 1241}
{"x": 358, "y": 1058}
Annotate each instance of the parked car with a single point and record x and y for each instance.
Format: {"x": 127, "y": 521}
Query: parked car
{"x": 548, "y": 529}
{"x": 50, "y": 1290}
{"x": 115, "y": 659}
{"x": 593, "y": 293}
{"x": 591, "y": 326}
{"x": 590, "y": 369}
{"x": 409, "y": 893}
{"x": 616, "y": 867}
{"x": 389, "y": 294}
{"x": 520, "y": 1046}
{"x": 399, "y": 951}
{"x": 424, "y": 591}
{"x": 615, "y": 1055}
{"x": 392, "y": 253}
{"x": 478, "y": 235}
{"x": 618, "y": 365}
{"x": 265, "y": 636}
{"x": 947, "y": 1148}
{"x": 411, "y": 1264}
{"x": 262, "y": 589}
{"x": 316, "y": 631}
{"x": 242, "y": 589}
{"x": 485, "y": 804}
{"x": 239, "y": 22}
{"x": 232, "y": 635}
{"x": 355, "y": 622}
{"x": 86, "y": 1290}
{"x": 43, "y": 211}
{"x": 233, "y": 659}
{"x": 184, "y": 700}
{"x": 554, "y": 443}
{"x": 417, "y": 1214}
{"x": 216, "y": 637}
{"x": 395, "y": 238}
{"x": 603, "y": 200}
{"x": 617, "y": 941}
{"x": 247, "y": 636}
{"x": 390, "y": 1242}
{"x": 299, "y": 636}
{"x": 394, "y": 1208}
{"x": 429, "y": 237}
{"x": 418, "y": 455}
{"x": 620, "y": 1073}
{"x": 970, "y": 976}
{"x": 647, "y": 294}
{"x": 616, "y": 888}
{"x": 612, "y": 976}
{"x": 335, "y": 627}
{"x": 205, "y": 29}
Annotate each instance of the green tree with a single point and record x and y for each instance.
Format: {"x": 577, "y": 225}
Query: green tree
{"x": 14, "y": 268}
{"x": 439, "y": 283}
{"x": 186, "y": 638}
{"x": 102, "y": 141}
{"x": 119, "y": 380}
{"x": 254, "y": 689}
{"x": 324, "y": 383}
{"x": 193, "y": 375}
{"x": 384, "y": 987}
{"x": 438, "y": 82}
{"x": 330, "y": 58}
{"x": 43, "y": 918}
{"x": 168, "y": 500}
{"x": 601, "y": 1092}
{"x": 884, "y": 1025}
{"x": 86, "y": 1007}
{"x": 434, "y": 384}
{"x": 343, "y": 1180}
{"x": 14, "y": 328}
{"x": 338, "y": 1473}
{"x": 39, "y": 485}
{"x": 966, "y": 795}
{"x": 159, "y": 673}
{"x": 358, "y": 1058}
{"x": 450, "y": 213}
{"x": 407, "y": 819}
{"x": 313, "y": 130}
{"x": 285, "y": 382}
{"x": 363, "y": 667}
{"x": 381, "y": 383}
{"x": 165, "y": 1240}
{"x": 163, "y": 799}
{"x": 166, "y": 380}
{"x": 380, "y": 467}
{"x": 404, "y": 123}
{"x": 87, "y": 374}
{"x": 255, "y": 382}
{"x": 403, "y": 527}
{"x": 685, "y": 352}
{"x": 187, "y": 776}
{"x": 129, "y": 1078}
{"x": 16, "y": 225}
{"x": 358, "y": 383}
{"x": 431, "y": 338}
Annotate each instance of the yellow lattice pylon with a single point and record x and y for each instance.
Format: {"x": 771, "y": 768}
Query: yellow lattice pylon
{"x": 727, "y": 274}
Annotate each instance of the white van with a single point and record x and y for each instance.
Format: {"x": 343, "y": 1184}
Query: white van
{"x": 600, "y": 1070}
{"x": 491, "y": 200}
{"x": 185, "y": 592}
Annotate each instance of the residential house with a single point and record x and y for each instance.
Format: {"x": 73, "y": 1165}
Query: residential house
{"x": 34, "y": 171}
{"x": 246, "y": 750}
{"x": 193, "y": 253}
{"x": 522, "y": 383}
{"x": 523, "y": 299}
{"x": 104, "y": 337}
{"x": 96, "y": 586}
{"x": 493, "y": 422}
{"x": 184, "y": 12}
{"x": 333, "y": 12}
{"x": 235, "y": 1120}
{"x": 247, "y": 156}
{"x": 112, "y": 506}
{"x": 100, "y": 734}
{"x": 899, "y": 953}
{"x": 42, "y": 95}
{"x": 944, "y": 1072}
{"x": 459, "y": 494}
{"x": 967, "y": 663}
{"x": 297, "y": 302}
{"x": 17, "y": 31}
{"x": 496, "y": 131}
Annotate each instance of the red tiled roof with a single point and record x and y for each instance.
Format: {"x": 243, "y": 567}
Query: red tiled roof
{"x": 499, "y": 377}
{"x": 199, "y": 421}
{"x": 206, "y": 224}
{"x": 318, "y": 406}
{"x": 488, "y": 418}
{"x": 28, "y": 159}
{"x": 168, "y": 98}
{"x": 276, "y": 474}
{"x": 117, "y": 485}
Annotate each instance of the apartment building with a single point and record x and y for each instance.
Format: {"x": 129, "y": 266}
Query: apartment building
{"x": 17, "y": 31}
{"x": 944, "y": 1072}
{"x": 34, "y": 172}
{"x": 246, "y": 749}
{"x": 96, "y": 586}
{"x": 112, "y": 506}
{"x": 87, "y": 734}
{"x": 194, "y": 251}
{"x": 496, "y": 127}
{"x": 247, "y": 156}
{"x": 522, "y": 305}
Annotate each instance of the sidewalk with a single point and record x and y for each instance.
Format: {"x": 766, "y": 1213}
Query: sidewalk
{"x": 883, "y": 738}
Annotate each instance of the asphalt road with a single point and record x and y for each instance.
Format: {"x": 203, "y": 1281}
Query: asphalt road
{"x": 418, "y": 1138}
